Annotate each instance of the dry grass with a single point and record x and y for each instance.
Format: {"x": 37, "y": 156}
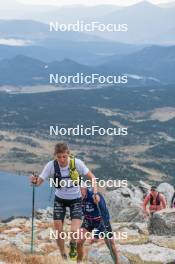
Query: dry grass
{"x": 44, "y": 225}
{"x": 3, "y": 228}
{"x": 48, "y": 248}
{"x": 43, "y": 260}
{"x": 12, "y": 255}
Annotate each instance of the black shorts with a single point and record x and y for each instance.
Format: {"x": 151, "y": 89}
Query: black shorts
{"x": 60, "y": 205}
{"x": 102, "y": 229}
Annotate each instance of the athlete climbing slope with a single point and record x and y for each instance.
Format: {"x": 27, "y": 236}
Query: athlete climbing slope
{"x": 156, "y": 200}
{"x": 96, "y": 217}
{"x": 66, "y": 171}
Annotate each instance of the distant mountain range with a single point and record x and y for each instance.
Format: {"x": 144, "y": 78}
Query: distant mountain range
{"x": 30, "y": 51}
{"x": 49, "y": 46}
{"x": 45, "y": 13}
{"x": 155, "y": 64}
{"x": 147, "y": 23}
{"x": 87, "y": 52}
{"x": 154, "y": 61}
{"x": 38, "y": 32}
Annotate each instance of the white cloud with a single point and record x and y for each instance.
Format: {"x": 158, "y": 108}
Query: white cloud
{"x": 15, "y": 42}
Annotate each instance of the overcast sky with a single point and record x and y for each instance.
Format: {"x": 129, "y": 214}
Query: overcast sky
{"x": 71, "y": 2}
{"x": 90, "y": 2}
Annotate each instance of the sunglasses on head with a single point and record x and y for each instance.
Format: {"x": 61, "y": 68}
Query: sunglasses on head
{"x": 153, "y": 190}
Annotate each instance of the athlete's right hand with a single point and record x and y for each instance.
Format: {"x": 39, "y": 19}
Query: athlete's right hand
{"x": 34, "y": 179}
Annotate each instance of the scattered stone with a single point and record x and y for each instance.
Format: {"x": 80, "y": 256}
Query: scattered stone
{"x": 148, "y": 254}
{"x": 12, "y": 230}
{"x": 131, "y": 214}
{"x": 141, "y": 227}
{"x": 144, "y": 187}
{"x": 122, "y": 198}
{"x": 167, "y": 190}
{"x": 101, "y": 255}
{"x": 44, "y": 214}
{"x": 18, "y": 222}
{"x": 163, "y": 241}
{"x": 44, "y": 234}
{"x": 163, "y": 223}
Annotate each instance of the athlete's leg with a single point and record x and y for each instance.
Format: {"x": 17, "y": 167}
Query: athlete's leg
{"x": 58, "y": 217}
{"x": 75, "y": 226}
{"x": 109, "y": 240}
{"x": 113, "y": 250}
{"x": 76, "y": 215}
{"x": 80, "y": 243}
{"x": 58, "y": 224}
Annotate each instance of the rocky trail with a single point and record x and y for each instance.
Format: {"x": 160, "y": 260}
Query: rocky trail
{"x": 146, "y": 242}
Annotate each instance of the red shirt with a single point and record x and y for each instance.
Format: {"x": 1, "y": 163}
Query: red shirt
{"x": 154, "y": 207}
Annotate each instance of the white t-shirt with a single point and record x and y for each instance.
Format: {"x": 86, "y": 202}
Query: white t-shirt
{"x": 64, "y": 192}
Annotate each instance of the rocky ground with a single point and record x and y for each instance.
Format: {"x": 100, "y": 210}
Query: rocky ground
{"x": 147, "y": 242}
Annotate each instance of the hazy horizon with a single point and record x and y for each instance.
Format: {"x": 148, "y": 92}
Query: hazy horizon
{"x": 29, "y": 9}
{"x": 15, "y": 3}
{"x": 90, "y": 2}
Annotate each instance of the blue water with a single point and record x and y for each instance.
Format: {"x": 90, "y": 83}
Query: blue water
{"x": 16, "y": 195}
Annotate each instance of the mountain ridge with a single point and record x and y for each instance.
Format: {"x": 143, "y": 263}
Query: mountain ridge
{"x": 154, "y": 62}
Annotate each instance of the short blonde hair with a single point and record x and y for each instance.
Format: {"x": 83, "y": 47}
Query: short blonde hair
{"x": 61, "y": 148}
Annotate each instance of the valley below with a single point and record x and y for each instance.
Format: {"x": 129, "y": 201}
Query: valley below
{"x": 145, "y": 153}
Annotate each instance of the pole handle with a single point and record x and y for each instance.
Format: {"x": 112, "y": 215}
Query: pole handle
{"x": 36, "y": 178}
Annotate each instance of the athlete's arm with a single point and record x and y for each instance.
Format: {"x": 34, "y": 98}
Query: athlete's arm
{"x": 92, "y": 178}
{"x": 163, "y": 201}
{"x": 146, "y": 200}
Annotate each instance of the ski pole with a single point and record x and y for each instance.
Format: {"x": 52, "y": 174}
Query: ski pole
{"x": 33, "y": 216}
{"x": 108, "y": 240}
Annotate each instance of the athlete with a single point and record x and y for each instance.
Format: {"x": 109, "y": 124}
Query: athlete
{"x": 156, "y": 201}
{"x": 97, "y": 221}
{"x": 66, "y": 172}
